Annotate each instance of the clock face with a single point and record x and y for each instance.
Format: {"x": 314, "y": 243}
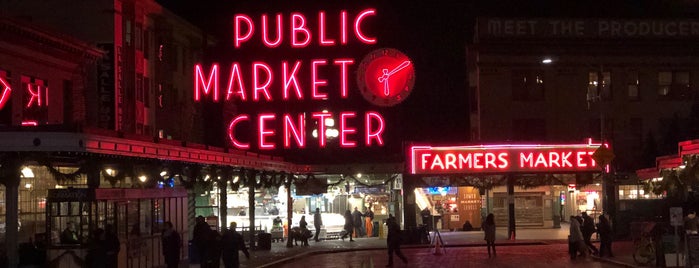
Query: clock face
{"x": 386, "y": 77}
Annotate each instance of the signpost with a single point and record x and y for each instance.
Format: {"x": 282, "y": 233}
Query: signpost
{"x": 676, "y": 220}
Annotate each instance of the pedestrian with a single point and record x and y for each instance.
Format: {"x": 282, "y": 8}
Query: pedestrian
{"x": 317, "y": 223}
{"x": 201, "y": 237}
{"x": 69, "y": 235}
{"x": 575, "y": 239}
{"x": 357, "y": 221}
{"x": 393, "y": 241}
{"x": 232, "y": 243}
{"x": 691, "y": 223}
{"x": 348, "y": 226}
{"x": 425, "y": 214}
{"x": 305, "y": 233}
{"x": 96, "y": 249}
{"x": 213, "y": 253}
{"x": 369, "y": 221}
{"x": 112, "y": 246}
{"x": 171, "y": 245}
{"x": 604, "y": 229}
{"x": 588, "y": 229}
{"x": 489, "y": 230}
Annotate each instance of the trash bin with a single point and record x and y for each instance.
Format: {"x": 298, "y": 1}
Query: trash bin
{"x": 264, "y": 241}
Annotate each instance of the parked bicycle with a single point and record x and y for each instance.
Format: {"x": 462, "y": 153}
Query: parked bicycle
{"x": 644, "y": 248}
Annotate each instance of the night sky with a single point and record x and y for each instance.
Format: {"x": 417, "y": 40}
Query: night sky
{"x": 433, "y": 34}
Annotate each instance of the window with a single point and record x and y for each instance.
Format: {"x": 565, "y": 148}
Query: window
{"x": 599, "y": 86}
{"x": 127, "y": 33}
{"x": 632, "y": 82}
{"x": 138, "y": 37}
{"x": 530, "y": 129}
{"x": 674, "y": 85}
{"x": 527, "y": 85}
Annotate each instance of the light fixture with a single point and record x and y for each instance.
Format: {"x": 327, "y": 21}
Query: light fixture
{"x": 235, "y": 180}
{"x": 28, "y": 186}
{"x": 359, "y": 175}
{"x": 682, "y": 166}
{"x": 27, "y": 172}
{"x": 206, "y": 178}
{"x": 142, "y": 178}
{"x": 329, "y": 122}
{"x": 314, "y": 133}
{"x": 109, "y": 171}
{"x": 547, "y": 61}
{"x": 163, "y": 173}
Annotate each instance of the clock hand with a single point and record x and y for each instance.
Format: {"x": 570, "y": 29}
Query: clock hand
{"x": 400, "y": 67}
{"x": 386, "y": 74}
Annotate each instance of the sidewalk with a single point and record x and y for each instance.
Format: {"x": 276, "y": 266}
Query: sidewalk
{"x": 280, "y": 254}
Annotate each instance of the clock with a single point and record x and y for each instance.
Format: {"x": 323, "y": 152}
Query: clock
{"x": 386, "y": 77}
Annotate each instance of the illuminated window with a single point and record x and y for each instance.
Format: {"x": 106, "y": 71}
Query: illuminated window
{"x": 599, "y": 86}
{"x": 632, "y": 82}
{"x": 674, "y": 85}
{"x": 527, "y": 85}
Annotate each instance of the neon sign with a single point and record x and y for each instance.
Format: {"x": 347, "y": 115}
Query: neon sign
{"x": 282, "y": 81}
{"x": 502, "y": 158}
{"x": 6, "y": 92}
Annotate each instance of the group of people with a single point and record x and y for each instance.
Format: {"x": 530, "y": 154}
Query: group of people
{"x": 213, "y": 246}
{"x": 581, "y": 230}
{"x": 358, "y": 224}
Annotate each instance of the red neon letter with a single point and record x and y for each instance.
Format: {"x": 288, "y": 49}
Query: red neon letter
{"x": 343, "y": 27}
{"x": 238, "y": 38}
{"x": 317, "y": 82}
{"x": 321, "y": 126}
{"x": 6, "y": 90}
{"x": 231, "y": 131}
{"x": 344, "y": 129}
{"x": 289, "y": 78}
{"x": 579, "y": 157}
{"x": 321, "y": 31}
{"x": 34, "y": 95}
{"x": 298, "y": 25}
{"x": 374, "y": 132}
{"x": 343, "y": 75}
{"x": 503, "y": 160}
{"x": 526, "y": 159}
{"x": 357, "y": 24}
{"x": 256, "y": 68}
{"x": 265, "y": 40}
{"x": 235, "y": 76}
{"x": 199, "y": 81}
{"x": 263, "y": 132}
{"x": 298, "y": 132}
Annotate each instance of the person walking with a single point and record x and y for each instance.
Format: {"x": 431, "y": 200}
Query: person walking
{"x": 588, "y": 229}
{"x": 201, "y": 238}
{"x": 357, "y": 221}
{"x": 369, "y": 222}
{"x": 489, "y": 231}
{"x": 232, "y": 243}
{"x": 112, "y": 246}
{"x": 317, "y": 223}
{"x": 577, "y": 243}
{"x": 305, "y": 233}
{"x": 604, "y": 229}
{"x": 171, "y": 245}
{"x": 96, "y": 249}
{"x": 393, "y": 241}
{"x": 348, "y": 226}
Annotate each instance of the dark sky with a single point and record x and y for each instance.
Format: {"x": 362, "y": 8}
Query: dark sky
{"x": 433, "y": 34}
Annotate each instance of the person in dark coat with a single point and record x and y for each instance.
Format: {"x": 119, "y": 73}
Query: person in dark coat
{"x": 426, "y": 214}
{"x": 317, "y": 223}
{"x": 605, "y": 235}
{"x": 171, "y": 245}
{"x": 201, "y": 237}
{"x": 305, "y": 233}
{"x": 213, "y": 250}
{"x": 96, "y": 249}
{"x": 112, "y": 246}
{"x": 232, "y": 243}
{"x": 489, "y": 231}
{"x": 349, "y": 226}
{"x": 588, "y": 229}
{"x": 357, "y": 221}
{"x": 69, "y": 235}
{"x": 393, "y": 241}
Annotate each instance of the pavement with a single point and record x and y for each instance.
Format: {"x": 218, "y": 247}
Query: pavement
{"x": 534, "y": 247}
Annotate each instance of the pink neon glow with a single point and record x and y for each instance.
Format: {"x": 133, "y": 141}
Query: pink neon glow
{"x": 237, "y": 37}
{"x": 290, "y": 78}
{"x": 199, "y": 82}
{"x": 357, "y": 26}
{"x": 296, "y": 131}
{"x": 6, "y": 92}
{"x": 345, "y": 130}
{"x": 321, "y": 126}
{"x": 257, "y": 67}
{"x": 46, "y": 96}
{"x": 265, "y": 38}
{"x": 298, "y": 25}
{"x": 238, "y": 79}
{"x": 343, "y": 74}
{"x": 264, "y": 132}
{"x": 385, "y": 75}
{"x": 374, "y": 132}
{"x": 30, "y": 123}
{"x": 321, "y": 31}
{"x": 316, "y": 82}
{"x": 343, "y": 27}
{"x": 34, "y": 95}
{"x": 231, "y": 131}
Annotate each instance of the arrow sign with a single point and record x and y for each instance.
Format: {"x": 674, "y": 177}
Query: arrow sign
{"x": 603, "y": 156}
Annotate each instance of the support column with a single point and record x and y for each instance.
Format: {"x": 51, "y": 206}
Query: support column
{"x": 511, "y": 233}
{"x": 11, "y": 182}
{"x": 289, "y": 210}
{"x": 609, "y": 194}
{"x": 223, "y": 203}
{"x": 409, "y": 210}
{"x": 251, "y": 209}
